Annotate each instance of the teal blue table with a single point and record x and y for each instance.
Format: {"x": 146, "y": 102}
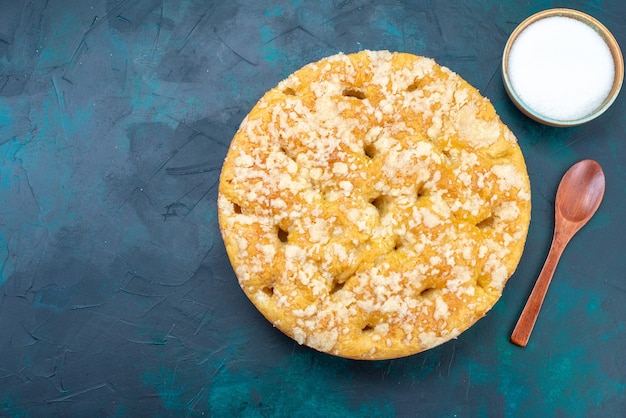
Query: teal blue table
{"x": 116, "y": 294}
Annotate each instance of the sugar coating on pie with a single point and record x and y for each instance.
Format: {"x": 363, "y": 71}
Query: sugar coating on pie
{"x": 373, "y": 205}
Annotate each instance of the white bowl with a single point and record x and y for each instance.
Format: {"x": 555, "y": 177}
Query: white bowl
{"x": 608, "y": 39}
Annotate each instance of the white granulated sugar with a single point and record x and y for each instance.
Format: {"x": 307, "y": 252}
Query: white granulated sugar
{"x": 561, "y": 68}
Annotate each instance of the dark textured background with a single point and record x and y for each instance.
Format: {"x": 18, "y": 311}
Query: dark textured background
{"x": 116, "y": 295}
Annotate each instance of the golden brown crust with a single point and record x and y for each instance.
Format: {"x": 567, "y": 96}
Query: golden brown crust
{"x": 373, "y": 205}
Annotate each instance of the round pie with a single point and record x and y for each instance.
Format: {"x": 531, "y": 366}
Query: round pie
{"x": 373, "y": 205}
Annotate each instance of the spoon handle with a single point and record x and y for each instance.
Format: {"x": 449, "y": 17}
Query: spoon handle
{"x": 527, "y": 319}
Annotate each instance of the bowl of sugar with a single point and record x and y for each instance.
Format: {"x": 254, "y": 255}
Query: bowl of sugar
{"x": 562, "y": 67}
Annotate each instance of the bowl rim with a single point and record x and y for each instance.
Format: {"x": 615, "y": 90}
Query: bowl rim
{"x": 608, "y": 38}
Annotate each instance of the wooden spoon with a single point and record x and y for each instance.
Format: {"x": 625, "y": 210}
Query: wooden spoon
{"x": 577, "y": 199}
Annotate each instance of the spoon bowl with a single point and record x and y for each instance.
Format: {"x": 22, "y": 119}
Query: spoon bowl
{"x": 572, "y": 205}
{"x": 578, "y": 197}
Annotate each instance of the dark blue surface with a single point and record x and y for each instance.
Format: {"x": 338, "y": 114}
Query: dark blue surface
{"x": 116, "y": 295}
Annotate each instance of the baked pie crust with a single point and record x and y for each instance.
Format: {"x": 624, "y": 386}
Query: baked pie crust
{"x": 373, "y": 205}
